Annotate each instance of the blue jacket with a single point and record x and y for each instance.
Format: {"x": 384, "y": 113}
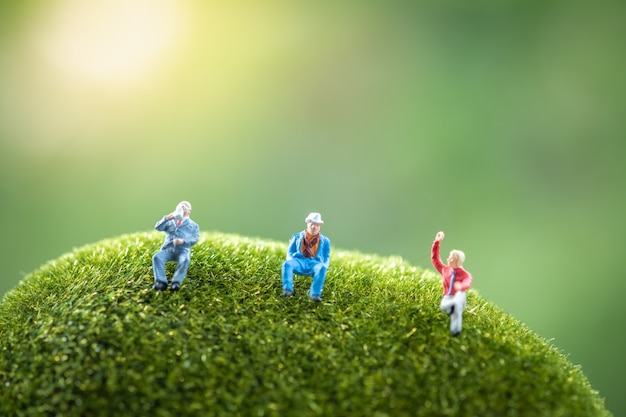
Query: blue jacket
{"x": 295, "y": 248}
{"x": 188, "y": 230}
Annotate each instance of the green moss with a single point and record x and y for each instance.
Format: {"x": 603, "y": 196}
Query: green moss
{"x": 85, "y": 335}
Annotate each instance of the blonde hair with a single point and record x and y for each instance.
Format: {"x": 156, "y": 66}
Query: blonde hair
{"x": 458, "y": 255}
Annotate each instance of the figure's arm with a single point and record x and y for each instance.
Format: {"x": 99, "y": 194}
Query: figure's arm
{"x": 292, "y": 249}
{"x": 189, "y": 237}
{"x": 325, "y": 255}
{"x": 164, "y": 224}
{"x": 434, "y": 253}
{"x": 193, "y": 237}
{"x": 465, "y": 283}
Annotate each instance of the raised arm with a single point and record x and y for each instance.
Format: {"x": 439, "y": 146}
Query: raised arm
{"x": 434, "y": 252}
{"x": 164, "y": 224}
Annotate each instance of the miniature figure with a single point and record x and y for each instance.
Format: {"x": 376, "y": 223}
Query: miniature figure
{"x": 455, "y": 280}
{"x": 181, "y": 233}
{"x": 308, "y": 254}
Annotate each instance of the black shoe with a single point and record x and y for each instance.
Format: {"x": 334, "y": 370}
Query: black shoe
{"x": 455, "y": 334}
{"x": 287, "y": 293}
{"x": 159, "y": 286}
{"x": 175, "y": 286}
{"x": 316, "y": 298}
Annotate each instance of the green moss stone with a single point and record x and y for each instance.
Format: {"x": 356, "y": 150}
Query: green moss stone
{"x": 85, "y": 335}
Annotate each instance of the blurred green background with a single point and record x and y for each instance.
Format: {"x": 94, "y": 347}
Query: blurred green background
{"x": 499, "y": 122}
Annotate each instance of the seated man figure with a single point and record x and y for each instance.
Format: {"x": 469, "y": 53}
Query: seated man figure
{"x": 308, "y": 254}
{"x": 181, "y": 233}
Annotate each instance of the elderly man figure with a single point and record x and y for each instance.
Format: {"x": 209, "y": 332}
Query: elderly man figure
{"x": 181, "y": 233}
{"x": 308, "y": 254}
{"x": 455, "y": 280}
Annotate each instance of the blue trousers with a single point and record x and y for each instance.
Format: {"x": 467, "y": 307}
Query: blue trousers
{"x": 304, "y": 266}
{"x": 181, "y": 257}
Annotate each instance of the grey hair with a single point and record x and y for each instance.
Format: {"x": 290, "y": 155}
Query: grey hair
{"x": 185, "y": 203}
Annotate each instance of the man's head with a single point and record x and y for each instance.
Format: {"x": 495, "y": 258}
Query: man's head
{"x": 185, "y": 206}
{"x": 456, "y": 258}
{"x": 313, "y": 223}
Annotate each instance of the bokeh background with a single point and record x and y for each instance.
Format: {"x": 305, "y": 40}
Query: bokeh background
{"x": 500, "y": 122}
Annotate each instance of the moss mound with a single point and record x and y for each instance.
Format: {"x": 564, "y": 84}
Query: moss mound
{"x": 85, "y": 335}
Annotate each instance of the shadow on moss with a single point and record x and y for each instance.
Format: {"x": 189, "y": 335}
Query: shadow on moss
{"x": 85, "y": 335}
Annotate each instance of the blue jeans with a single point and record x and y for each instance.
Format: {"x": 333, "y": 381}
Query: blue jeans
{"x": 304, "y": 266}
{"x": 178, "y": 255}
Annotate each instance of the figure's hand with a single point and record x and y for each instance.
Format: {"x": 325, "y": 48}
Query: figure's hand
{"x": 179, "y": 241}
{"x": 457, "y": 286}
{"x": 170, "y": 216}
{"x": 439, "y": 236}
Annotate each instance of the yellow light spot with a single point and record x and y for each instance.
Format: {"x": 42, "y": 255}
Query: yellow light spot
{"x": 111, "y": 42}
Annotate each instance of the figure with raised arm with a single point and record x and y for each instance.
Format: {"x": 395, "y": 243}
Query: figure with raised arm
{"x": 456, "y": 281}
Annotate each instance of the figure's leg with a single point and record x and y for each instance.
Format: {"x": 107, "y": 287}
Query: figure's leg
{"x": 288, "y": 269}
{"x": 317, "y": 285}
{"x": 158, "y": 265}
{"x": 447, "y": 304}
{"x": 183, "y": 259}
{"x": 456, "y": 318}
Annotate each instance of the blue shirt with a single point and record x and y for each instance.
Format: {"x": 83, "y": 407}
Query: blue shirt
{"x": 188, "y": 231}
{"x": 294, "y": 249}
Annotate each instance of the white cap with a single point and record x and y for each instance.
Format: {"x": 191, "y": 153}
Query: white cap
{"x": 314, "y": 218}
